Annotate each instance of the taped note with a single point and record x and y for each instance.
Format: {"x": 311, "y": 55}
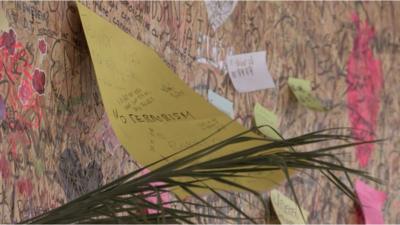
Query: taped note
{"x": 249, "y": 72}
{"x": 219, "y": 11}
{"x": 371, "y": 201}
{"x": 221, "y": 103}
{"x": 262, "y": 117}
{"x": 302, "y": 90}
{"x": 287, "y": 211}
{"x": 153, "y": 113}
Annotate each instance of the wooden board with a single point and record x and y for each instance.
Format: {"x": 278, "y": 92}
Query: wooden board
{"x": 58, "y": 145}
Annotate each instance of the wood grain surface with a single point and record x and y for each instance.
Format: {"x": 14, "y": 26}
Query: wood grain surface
{"x": 56, "y": 142}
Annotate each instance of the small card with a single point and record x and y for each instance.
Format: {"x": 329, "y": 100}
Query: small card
{"x": 249, "y": 72}
{"x": 287, "y": 211}
{"x": 302, "y": 90}
{"x": 262, "y": 117}
{"x": 221, "y": 103}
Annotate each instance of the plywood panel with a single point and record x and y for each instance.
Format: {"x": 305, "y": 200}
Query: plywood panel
{"x": 58, "y": 145}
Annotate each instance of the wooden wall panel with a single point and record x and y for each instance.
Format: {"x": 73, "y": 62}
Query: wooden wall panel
{"x": 58, "y": 145}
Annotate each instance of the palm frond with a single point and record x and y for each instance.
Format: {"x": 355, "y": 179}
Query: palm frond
{"x": 126, "y": 200}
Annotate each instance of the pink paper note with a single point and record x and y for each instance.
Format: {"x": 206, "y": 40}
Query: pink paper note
{"x": 372, "y": 202}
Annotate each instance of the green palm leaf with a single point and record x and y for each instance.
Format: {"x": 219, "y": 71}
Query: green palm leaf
{"x": 126, "y": 200}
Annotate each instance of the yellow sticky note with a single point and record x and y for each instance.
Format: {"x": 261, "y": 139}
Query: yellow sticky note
{"x": 302, "y": 90}
{"x": 152, "y": 111}
{"x": 263, "y": 116}
{"x": 287, "y": 210}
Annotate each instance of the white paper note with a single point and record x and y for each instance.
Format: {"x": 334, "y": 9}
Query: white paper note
{"x": 221, "y": 103}
{"x": 219, "y": 11}
{"x": 249, "y": 72}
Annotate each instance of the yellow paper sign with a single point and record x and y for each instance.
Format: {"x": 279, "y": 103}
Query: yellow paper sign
{"x": 287, "y": 210}
{"x": 152, "y": 111}
{"x": 262, "y": 117}
{"x": 302, "y": 90}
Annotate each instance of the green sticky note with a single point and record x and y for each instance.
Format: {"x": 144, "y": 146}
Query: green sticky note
{"x": 302, "y": 90}
{"x": 262, "y": 117}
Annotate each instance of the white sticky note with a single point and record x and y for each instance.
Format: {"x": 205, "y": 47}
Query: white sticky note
{"x": 219, "y": 11}
{"x": 221, "y": 103}
{"x": 249, "y": 72}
